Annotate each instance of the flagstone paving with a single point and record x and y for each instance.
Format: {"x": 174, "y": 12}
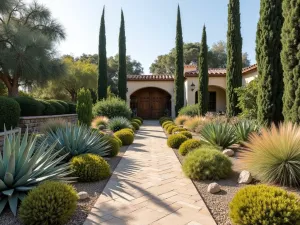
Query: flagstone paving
{"x": 148, "y": 187}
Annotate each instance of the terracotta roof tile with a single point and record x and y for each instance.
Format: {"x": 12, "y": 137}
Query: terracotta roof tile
{"x": 150, "y": 77}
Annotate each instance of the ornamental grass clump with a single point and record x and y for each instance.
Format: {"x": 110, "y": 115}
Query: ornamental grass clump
{"x": 52, "y": 125}
{"x": 194, "y": 122}
{"x": 118, "y": 123}
{"x": 180, "y": 120}
{"x": 188, "y": 146}
{"x": 99, "y": 121}
{"x": 244, "y": 128}
{"x": 274, "y": 155}
{"x": 175, "y": 140}
{"x": 262, "y": 204}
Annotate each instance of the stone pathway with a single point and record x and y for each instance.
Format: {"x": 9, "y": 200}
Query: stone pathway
{"x": 148, "y": 187}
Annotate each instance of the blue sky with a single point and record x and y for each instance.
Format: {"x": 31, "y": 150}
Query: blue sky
{"x": 150, "y": 25}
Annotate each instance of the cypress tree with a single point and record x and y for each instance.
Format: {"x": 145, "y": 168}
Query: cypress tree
{"x": 122, "y": 76}
{"x": 234, "y": 57}
{"x": 203, "y": 75}
{"x": 102, "y": 61}
{"x": 179, "y": 67}
{"x": 268, "y": 48}
{"x": 290, "y": 58}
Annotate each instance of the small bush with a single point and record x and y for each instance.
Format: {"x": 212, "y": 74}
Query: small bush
{"x": 112, "y": 107}
{"x": 244, "y": 128}
{"x": 175, "y": 140}
{"x": 84, "y": 107}
{"x": 72, "y": 108}
{"x": 180, "y": 120}
{"x": 166, "y": 123}
{"x": 52, "y": 125}
{"x": 263, "y": 204}
{"x": 114, "y": 146}
{"x": 171, "y": 128}
{"x": 164, "y": 119}
{"x": 138, "y": 118}
{"x": 187, "y": 134}
{"x": 59, "y": 108}
{"x": 30, "y": 106}
{"x": 206, "y": 163}
{"x": 137, "y": 121}
{"x": 188, "y": 146}
{"x": 48, "y": 108}
{"x": 125, "y": 136}
{"x": 118, "y": 140}
{"x": 135, "y": 125}
{"x": 131, "y": 130}
{"x": 65, "y": 105}
{"x": 99, "y": 120}
{"x": 189, "y": 110}
{"x": 90, "y": 167}
{"x": 178, "y": 129}
{"x": 51, "y": 202}
{"x": 9, "y": 113}
{"x": 118, "y": 123}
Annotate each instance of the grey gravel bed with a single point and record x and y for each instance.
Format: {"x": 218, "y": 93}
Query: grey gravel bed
{"x": 94, "y": 189}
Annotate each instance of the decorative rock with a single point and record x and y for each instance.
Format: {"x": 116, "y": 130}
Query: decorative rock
{"x": 228, "y": 152}
{"x": 213, "y": 188}
{"x": 83, "y": 195}
{"x": 245, "y": 177}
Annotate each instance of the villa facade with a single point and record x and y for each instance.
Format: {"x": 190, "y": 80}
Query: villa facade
{"x": 152, "y": 96}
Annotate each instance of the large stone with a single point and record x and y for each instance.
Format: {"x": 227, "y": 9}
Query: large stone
{"x": 213, "y": 188}
{"x": 228, "y": 152}
{"x": 245, "y": 177}
{"x": 83, "y": 195}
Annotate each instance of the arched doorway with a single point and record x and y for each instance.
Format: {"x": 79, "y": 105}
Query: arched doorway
{"x": 151, "y": 103}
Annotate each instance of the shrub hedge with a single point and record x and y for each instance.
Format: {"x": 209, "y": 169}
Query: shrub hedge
{"x": 49, "y": 109}
{"x": 65, "y": 105}
{"x": 175, "y": 140}
{"x": 59, "y": 108}
{"x": 9, "y": 113}
{"x": 29, "y": 106}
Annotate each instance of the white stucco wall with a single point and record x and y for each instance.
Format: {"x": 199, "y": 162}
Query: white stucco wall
{"x": 247, "y": 78}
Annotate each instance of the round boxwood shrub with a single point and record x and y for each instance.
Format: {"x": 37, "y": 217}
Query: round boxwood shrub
{"x": 138, "y": 118}
{"x": 137, "y": 121}
{"x": 30, "y": 106}
{"x": 187, "y": 134}
{"x": 164, "y": 119}
{"x": 175, "y": 140}
{"x": 171, "y": 128}
{"x": 131, "y": 130}
{"x": 188, "y": 146}
{"x": 262, "y": 204}
{"x": 206, "y": 163}
{"x": 125, "y": 136}
{"x": 114, "y": 146}
{"x": 118, "y": 140}
{"x": 178, "y": 129}
{"x": 90, "y": 167}
{"x": 51, "y": 202}
{"x": 65, "y": 105}
{"x": 59, "y": 108}
{"x": 72, "y": 108}
{"x": 48, "y": 108}
{"x": 135, "y": 125}
{"x": 166, "y": 123}
{"x": 9, "y": 113}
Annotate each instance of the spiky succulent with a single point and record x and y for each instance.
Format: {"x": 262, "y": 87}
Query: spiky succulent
{"x": 244, "y": 128}
{"x": 118, "y": 123}
{"x": 24, "y": 164}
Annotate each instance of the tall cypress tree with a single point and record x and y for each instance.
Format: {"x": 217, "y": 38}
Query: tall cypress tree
{"x": 203, "y": 75}
{"x": 268, "y": 48}
{"x": 102, "y": 61}
{"x": 290, "y": 58}
{"x": 122, "y": 76}
{"x": 234, "y": 57}
{"x": 179, "y": 67}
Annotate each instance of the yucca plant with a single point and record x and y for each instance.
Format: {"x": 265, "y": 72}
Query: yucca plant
{"x": 274, "y": 155}
{"x": 118, "y": 123}
{"x": 78, "y": 139}
{"x": 219, "y": 134}
{"x": 244, "y": 128}
{"x": 24, "y": 164}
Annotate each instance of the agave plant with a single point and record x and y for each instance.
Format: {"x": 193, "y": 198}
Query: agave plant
{"x": 24, "y": 164}
{"x": 77, "y": 140}
{"x": 219, "y": 134}
{"x": 244, "y": 128}
{"x": 118, "y": 123}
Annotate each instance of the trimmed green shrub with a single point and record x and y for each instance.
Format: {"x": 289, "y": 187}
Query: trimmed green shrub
{"x": 72, "y": 108}
{"x": 171, "y": 128}
{"x": 175, "y": 140}
{"x": 114, "y": 146}
{"x": 118, "y": 140}
{"x": 138, "y": 118}
{"x": 65, "y": 105}
{"x": 131, "y": 130}
{"x": 48, "y": 108}
{"x": 30, "y": 106}
{"x": 135, "y": 125}
{"x": 187, "y": 134}
{"x": 9, "y": 113}
{"x": 178, "y": 129}
{"x": 118, "y": 123}
{"x": 125, "y": 136}
{"x": 112, "y": 107}
{"x": 137, "y": 121}
{"x": 84, "y": 107}
{"x": 262, "y": 204}
{"x": 51, "y": 202}
{"x": 206, "y": 163}
{"x": 188, "y": 146}
{"x": 90, "y": 167}
{"x": 169, "y": 125}
{"x": 164, "y": 119}
{"x": 59, "y": 108}
{"x": 189, "y": 110}
{"x": 166, "y": 123}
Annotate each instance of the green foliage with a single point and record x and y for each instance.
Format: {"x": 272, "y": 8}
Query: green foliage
{"x": 125, "y": 136}
{"x": 84, "y": 107}
{"x": 112, "y": 108}
{"x": 65, "y": 105}
{"x": 234, "y": 57}
{"x": 78, "y": 139}
{"x": 164, "y": 119}
{"x": 274, "y": 155}
{"x": 9, "y": 113}
{"x": 122, "y": 81}
{"x": 119, "y": 140}
{"x": 135, "y": 125}
{"x": 3, "y": 89}
{"x": 164, "y": 125}
{"x": 179, "y": 68}
{"x": 138, "y": 118}
{"x": 206, "y": 163}
{"x": 177, "y": 130}
{"x": 118, "y": 123}
{"x": 52, "y": 125}
{"x": 219, "y": 134}
{"x": 90, "y": 167}
{"x": 261, "y": 204}
{"x": 171, "y": 128}
{"x": 188, "y": 146}
{"x": 102, "y": 61}
{"x": 30, "y": 106}
{"x": 290, "y": 59}
{"x": 72, "y": 108}
{"x": 24, "y": 164}
{"x": 247, "y": 96}
{"x": 115, "y": 144}
{"x": 131, "y": 130}
{"x": 189, "y": 110}
{"x": 175, "y": 140}
{"x": 51, "y": 202}
{"x": 203, "y": 75}
{"x": 48, "y": 108}
{"x": 244, "y": 128}
{"x": 59, "y": 108}
{"x": 137, "y": 121}
{"x": 187, "y": 134}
